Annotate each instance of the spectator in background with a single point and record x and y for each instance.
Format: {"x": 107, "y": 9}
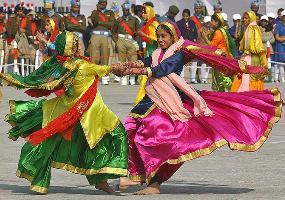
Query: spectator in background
{"x": 236, "y": 30}
{"x": 271, "y": 19}
{"x": 148, "y": 3}
{"x": 171, "y": 14}
{"x": 187, "y": 26}
{"x": 188, "y": 30}
{"x": 267, "y": 34}
{"x": 267, "y": 37}
{"x": 102, "y": 21}
{"x": 254, "y": 6}
{"x": 148, "y": 36}
{"x": 225, "y": 16}
{"x": 126, "y": 37}
{"x": 279, "y": 16}
{"x": 221, "y": 39}
{"x": 75, "y": 22}
{"x": 133, "y": 9}
{"x": 139, "y": 14}
{"x": 198, "y": 17}
{"x": 280, "y": 46}
{"x": 138, "y": 11}
{"x": 203, "y": 38}
{"x": 49, "y": 11}
{"x": 218, "y": 7}
{"x": 253, "y": 54}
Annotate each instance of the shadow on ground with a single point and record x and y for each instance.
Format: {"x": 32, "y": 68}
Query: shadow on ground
{"x": 175, "y": 188}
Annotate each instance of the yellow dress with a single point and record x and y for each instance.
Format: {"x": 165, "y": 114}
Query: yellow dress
{"x": 98, "y": 119}
{"x": 251, "y": 45}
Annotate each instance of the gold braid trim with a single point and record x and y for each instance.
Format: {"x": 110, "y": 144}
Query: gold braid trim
{"x": 71, "y": 65}
{"x": 12, "y": 105}
{"x": 242, "y": 65}
{"x": 149, "y": 72}
{"x": 194, "y": 48}
{"x": 38, "y": 189}
{"x": 78, "y": 170}
{"x": 234, "y": 146}
{"x": 141, "y": 63}
{"x": 68, "y": 44}
{"x": 134, "y": 115}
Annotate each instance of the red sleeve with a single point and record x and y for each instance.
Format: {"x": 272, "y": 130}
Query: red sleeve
{"x": 24, "y": 23}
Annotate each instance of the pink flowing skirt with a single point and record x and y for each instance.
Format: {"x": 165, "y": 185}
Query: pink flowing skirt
{"x": 159, "y": 146}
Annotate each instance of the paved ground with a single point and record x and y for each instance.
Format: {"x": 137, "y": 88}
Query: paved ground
{"x": 223, "y": 175}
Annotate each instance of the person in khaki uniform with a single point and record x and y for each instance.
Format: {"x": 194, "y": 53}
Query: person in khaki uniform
{"x": 50, "y": 13}
{"x": 74, "y": 22}
{"x": 102, "y": 21}
{"x": 12, "y": 27}
{"x": 2, "y": 27}
{"x": 27, "y": 36}
{"x": 126, "y": 37}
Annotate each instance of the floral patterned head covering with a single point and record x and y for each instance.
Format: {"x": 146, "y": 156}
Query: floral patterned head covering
{"x": 174, "y": 30}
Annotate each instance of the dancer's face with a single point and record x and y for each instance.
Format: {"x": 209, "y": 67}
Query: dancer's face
{"x": 164, "y": 39}
{"x": 246, "y": 20}
{"x": 215, "y": 24}
{"x": 48, "y": 27}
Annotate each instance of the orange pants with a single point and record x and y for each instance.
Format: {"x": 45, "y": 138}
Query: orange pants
{"x": 253, "y": 84}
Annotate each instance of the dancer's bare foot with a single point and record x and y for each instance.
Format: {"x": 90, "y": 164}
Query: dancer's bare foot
{"x": 104, "y": 186}
{"x": 149, "y": 190}
{"x": 126, "y": 182}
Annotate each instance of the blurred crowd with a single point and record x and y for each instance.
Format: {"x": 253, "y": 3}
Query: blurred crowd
{"x": 107, "y": 37}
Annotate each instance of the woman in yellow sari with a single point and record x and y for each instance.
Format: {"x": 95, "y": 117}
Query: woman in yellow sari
{"x": 148, "y": 36}
{"x": 253, "y": 54}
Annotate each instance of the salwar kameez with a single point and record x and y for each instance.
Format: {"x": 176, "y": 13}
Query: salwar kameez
{"x": 174, "y": 123}
{"x": 75, "y": 131}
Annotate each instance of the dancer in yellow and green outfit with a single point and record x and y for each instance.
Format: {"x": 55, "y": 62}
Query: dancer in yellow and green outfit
{"x": 76, "y": 131}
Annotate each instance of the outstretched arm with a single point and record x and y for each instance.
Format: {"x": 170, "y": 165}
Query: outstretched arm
{"x": 173, "y": 64}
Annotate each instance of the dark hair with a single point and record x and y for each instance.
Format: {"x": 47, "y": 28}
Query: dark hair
{"x": 148, "y": 3}
{"x": 186, "y": 11}
{"x": 269, "y": 27}
{"x": 133, "y": 6}
{"x": 280, "y": 10}
{"x": 215, "y": 18}
{"x": 138, "y": 8}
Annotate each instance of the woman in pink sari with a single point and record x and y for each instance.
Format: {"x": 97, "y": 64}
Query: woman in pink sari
{"x": 175, "y": 123}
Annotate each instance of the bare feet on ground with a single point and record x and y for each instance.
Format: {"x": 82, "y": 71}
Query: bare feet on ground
{"x": 149, "y": 190}
{"x": 126, "y": 182}
{"x": 104, "y": 186}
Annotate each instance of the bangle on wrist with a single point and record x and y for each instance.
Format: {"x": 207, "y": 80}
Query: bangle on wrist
{"x": 141, "y": 63}
{"x": 149, "y": 72}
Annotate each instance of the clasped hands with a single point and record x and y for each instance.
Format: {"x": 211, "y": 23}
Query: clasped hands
{"x": 128, "y": 68}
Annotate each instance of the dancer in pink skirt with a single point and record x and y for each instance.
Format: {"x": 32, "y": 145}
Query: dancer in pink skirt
{"x": 175, "y": 123}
